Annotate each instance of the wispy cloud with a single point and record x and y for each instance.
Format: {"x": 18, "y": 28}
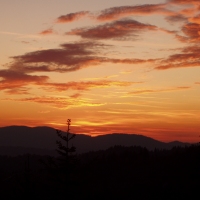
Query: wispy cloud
{"x": 194, "y": 2}
{"x": 69, "y": 57}
{"x": 189, "y": 57}
{"x": 115, "y": 30}
{"x": 102, "y": 78}
{"x": 47, "y": 32}
{"x": 85, "y": 85}
{"x": 124, "y": 11}
{"x": 191, "y": 31}
{"x": 14, "y": 81}
{"x": 71, "y": 17}
{"x": 147, "y": 91}
{"x": 176, "y": 18}
{"x": 76, "y": 95}
{"x": 195, "y": 19}
{"x": 59, "y": 102}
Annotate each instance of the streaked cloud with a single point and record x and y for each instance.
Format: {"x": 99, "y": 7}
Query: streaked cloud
{"x": 69, "y": 57}
{"x": 47, "y": 32}
{"x": 147, "y": 91}
{"x": 189, "y": 57}
{"x": 176, "y": 18}
{"x": 76, "y": 95}
{"x": 195, "y": 2}
{"x": 114, "y": 30}
{"x": 126, "y": 72}
{"x": 59, "y": 102}
{"x": 102, "y": 78}
{"x": 195, "y": 19}
{"x": 191, "y": 31}
{"x": 14, "y": 81}
{"x": 17, "y": 82}
{"x": 71, "y": 17}
{"x": 85, "y": 85}
{"x": 124, "y": 11}
{"x": 131, "y": 61}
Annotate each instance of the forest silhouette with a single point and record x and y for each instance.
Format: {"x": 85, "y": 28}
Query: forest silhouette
{"x": 118, "y": 172}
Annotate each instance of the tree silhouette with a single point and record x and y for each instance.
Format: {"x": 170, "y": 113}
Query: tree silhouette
{"x": 67, "y": 158}
{"x": 65, "y": 150}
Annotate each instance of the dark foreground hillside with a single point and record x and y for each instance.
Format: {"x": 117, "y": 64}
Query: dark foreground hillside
{"x": 116, "y": 173}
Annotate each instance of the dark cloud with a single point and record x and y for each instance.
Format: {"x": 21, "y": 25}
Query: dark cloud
{"x": 10, "y": 75}
{"x": 115, "y": 30}
{"x": 70, "y": 57}
{"x": 71, "y": 17}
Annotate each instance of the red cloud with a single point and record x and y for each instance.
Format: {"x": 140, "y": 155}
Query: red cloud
{"x": 75, "y": 95}
{"x": 181, "y": 38}
{"x": 176, "y": 18}
{"x": 59, "y": 102}
{"x": 14, "y": 81}
{"x": 147, "y": 9}
{"x": 71, "y": 17}
{"x": 188, "y": 58}
{"x": 195, "y": 19}
{"x": 84, "y": 85}
{"x": 178, "y": 65}
{"x": 192, "y": 31}
{"x": 47, "y": 32}
{"x": 118, "y": 29}
{"x": 160, "y": 90}
{"x": 195, "y": 2}
{"x": 131, "y": 61}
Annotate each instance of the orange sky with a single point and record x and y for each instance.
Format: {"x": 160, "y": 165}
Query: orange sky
{"x": 109, "y": 66}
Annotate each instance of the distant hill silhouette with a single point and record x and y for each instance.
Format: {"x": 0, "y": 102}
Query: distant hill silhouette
{"x": 17, "y": 140}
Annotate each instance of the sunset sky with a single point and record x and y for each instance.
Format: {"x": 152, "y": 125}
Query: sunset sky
{"x": 110, "y": 66}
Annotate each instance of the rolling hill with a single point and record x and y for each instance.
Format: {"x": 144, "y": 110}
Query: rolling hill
{"x": 17, "y": 140}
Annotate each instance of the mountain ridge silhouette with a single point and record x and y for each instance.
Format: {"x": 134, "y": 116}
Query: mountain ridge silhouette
{"x": 17, "y": 140}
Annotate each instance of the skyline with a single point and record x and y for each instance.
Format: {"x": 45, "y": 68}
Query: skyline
{"x": 111, "y": 67}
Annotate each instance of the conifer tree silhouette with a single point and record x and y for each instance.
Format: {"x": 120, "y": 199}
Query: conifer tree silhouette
{"x": 67, "y": 157}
